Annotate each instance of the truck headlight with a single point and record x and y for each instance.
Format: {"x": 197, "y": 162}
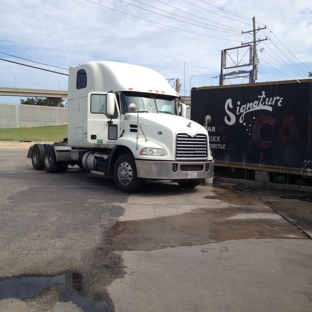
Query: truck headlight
{"x": 151, "y": 151}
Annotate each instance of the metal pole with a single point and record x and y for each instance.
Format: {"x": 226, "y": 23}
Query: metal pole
{"x": 191, "y": 83}
{"x": 184, "y": 78}
{"x": 221, "y": 78}
{"x": 255, "y": 65}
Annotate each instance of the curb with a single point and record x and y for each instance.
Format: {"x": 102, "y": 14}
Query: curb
{"x": 19, "y": 143}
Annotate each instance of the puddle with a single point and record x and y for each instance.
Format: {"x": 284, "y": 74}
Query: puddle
{"x": 29, "y": 286}
{"x": 245, "y": 216}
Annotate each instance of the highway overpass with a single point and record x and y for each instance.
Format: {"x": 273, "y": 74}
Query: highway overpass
{"x": 56, "y": 96}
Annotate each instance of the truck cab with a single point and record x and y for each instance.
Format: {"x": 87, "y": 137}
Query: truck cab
{"x": 124, "y": 122}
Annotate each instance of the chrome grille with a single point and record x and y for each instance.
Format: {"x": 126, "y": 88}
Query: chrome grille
{"x": 191, "y": 148}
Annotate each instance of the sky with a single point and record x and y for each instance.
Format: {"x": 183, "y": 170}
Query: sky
{"x": 177, "y": 38}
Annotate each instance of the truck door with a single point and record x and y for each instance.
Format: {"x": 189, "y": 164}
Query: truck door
{"x": 101, "y": 129}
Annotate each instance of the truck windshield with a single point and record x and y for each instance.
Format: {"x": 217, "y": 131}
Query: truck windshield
{"x": 148, "y": 103}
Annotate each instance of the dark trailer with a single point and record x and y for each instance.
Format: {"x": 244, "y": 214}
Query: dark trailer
{"x": 262, "y": 126}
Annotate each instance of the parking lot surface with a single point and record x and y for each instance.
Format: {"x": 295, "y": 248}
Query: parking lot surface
{"x": 72, "y": 242}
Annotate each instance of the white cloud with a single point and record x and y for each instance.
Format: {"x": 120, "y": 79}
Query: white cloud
{"x": 66, "y": 33}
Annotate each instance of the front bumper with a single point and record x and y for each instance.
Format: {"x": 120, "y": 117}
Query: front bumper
{"x": 174, "y": 170}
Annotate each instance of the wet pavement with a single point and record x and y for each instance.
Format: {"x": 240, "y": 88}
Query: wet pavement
{"x": 72, "y": 242}
{"x": 245, "y": 216}
{"x": 233, "y": 275}
{"x": 224, "y": 250}
{"x": 295, "y": 207}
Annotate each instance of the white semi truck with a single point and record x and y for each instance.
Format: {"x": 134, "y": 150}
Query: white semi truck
{"x": 124, "y": 123}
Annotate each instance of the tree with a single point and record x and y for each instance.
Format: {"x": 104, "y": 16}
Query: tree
{"x": 310, "y": 74}
{"x": 39, "y": 102}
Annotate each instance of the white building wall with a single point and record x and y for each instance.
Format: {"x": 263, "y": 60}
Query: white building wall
{"x": 27, "y": 116}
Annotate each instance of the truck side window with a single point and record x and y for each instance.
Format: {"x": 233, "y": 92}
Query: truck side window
{"x": 81, "y": 79}
{"x": 98, "y": 105}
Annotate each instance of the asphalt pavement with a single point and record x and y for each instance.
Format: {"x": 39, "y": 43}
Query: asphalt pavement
{"x": 72, "y": 242}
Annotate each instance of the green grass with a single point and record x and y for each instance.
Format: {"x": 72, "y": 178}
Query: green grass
{"x": 49, "y": 133}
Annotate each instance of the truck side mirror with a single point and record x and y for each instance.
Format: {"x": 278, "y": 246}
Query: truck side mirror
{"x": 132, "y": 108}
{"x": 207, "y": 121}
{"x": 110, "y": 109}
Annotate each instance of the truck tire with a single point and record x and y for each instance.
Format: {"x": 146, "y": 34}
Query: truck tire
{"x": 50, "y": 163}
{"x": 189, "y": 184}
{"x": 125, "y": 174}
{"x": 63, "y": 166}
{"x": 37, "y": 157}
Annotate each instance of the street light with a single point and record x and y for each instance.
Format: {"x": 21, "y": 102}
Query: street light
{"x": 191, "y": 83}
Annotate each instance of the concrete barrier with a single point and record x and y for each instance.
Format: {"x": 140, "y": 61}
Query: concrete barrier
{"x": 27, "y": 116}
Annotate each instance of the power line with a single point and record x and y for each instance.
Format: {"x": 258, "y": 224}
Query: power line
{"x": 176, "y": 28}
{"x": 184, "y": 11}
{"x": 277, "y": 69}
{"x": 288, "y": 58}
{"x": 173, "y": 18}
{"x": 227, "y": 11}
{"x": 279, "y": 59}
{"x": 214, "y": 12}
{"x": 158, "y": 66}
{"x": 38, "y": 47}
{"x": 51, "y": 71}
{"x": 276, "y": 46}
{"x": 224, "y": 31}
{"x": 33, "y": 61}
{"x": 280, "y": 51}
{"x": 283, "y": 54}
{"x": 289, "y": 50}
{"x": 264, "y": 73}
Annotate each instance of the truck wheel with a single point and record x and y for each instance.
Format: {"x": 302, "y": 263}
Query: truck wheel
{"x": 37, "y": 157}
{"x": 125, "y": 174}
{"x": 63, "y": 166}
{"x": 50, "y": 163}
{"x": 189, "y": 184}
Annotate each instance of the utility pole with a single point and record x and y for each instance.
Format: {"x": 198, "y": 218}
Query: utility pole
{"x": 252, "y": 59}
{"x": 254, "y": 42}
{"x": 255, "y": 55}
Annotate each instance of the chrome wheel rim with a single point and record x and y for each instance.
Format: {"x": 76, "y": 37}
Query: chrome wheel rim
{"x": 125, "y": 173}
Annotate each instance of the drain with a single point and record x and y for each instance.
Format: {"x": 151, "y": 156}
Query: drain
{"x": 24, "y": 287}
